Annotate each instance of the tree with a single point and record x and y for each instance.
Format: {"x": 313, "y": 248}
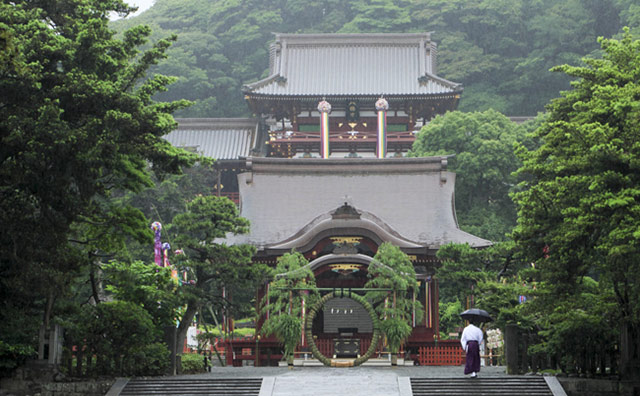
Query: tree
{"x": 163, "y": 201}
{"x": 77, "y": 122}
{"x": 492, "y": 279}
{"x": 284, "y": 303}
{"x": 483, "y": 144}
{"x": 500, "y": 50}
{"x": 579, "y": 204}
{"x": 200, "y": 233}
{"x": 123, "y": 337}
{"x": 392, "y": 269}
{"x": 147, "y": 286}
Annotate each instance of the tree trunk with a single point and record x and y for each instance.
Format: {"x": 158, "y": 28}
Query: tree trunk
{"x": 629, "y": 352}
{"x": 44, "y": 329}
{"x": 187, "y": 318}
{"x": 213, "y": 346}
{"x": 96, "y": 287}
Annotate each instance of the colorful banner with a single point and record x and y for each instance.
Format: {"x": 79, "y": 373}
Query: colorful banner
{"x": 165, "y": 254}
{"x": 381, "y": 147}
{"x": 157, "y": 247}
{"x": 324, "y": 108}
{"x": 427, "y": 304}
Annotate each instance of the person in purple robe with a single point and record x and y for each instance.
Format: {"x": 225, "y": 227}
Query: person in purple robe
{"x": 471, "y": 340}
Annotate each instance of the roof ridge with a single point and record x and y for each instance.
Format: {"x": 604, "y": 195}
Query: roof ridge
{"x": 441, "y": 80}
{"x": 261, "y": 83}
{"x": 330, "y": 38}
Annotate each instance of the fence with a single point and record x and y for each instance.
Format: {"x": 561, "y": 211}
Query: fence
{"x": 441, "y": 354}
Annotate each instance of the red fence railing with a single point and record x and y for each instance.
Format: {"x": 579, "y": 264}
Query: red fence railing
{"x": 441, "y": 355}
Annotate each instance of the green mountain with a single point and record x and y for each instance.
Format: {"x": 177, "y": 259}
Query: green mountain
{"x": 501, "y": 50}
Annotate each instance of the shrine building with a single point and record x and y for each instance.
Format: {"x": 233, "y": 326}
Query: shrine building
{"x": 322, "y": 169}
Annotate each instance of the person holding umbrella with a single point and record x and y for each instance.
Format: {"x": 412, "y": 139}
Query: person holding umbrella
{"x": 471, "y": 338}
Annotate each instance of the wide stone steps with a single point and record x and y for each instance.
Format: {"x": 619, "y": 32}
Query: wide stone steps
{"x": 502, "y": 386}
{"x": 191, "y": 386}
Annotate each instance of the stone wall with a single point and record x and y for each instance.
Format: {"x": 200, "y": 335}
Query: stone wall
{"x": 38, "y": 378}
{"x": 598, "y": 387}
{"x": 89, "y": 388}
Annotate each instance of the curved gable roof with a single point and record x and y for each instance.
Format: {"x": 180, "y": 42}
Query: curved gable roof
{"x": 390, "y": 64}
{"x": 289, "y": 201}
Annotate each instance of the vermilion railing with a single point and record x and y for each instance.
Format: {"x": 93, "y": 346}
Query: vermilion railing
{"x": 441, "y": 355}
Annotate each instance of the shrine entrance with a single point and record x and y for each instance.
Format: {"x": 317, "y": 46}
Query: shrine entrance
{"x": 343, "y": 308}
{"x": 343, "y": 325}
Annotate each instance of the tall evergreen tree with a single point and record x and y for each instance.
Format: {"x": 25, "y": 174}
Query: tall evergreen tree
{"x": 77, "y": 122}
{"x": 578, "y": 211}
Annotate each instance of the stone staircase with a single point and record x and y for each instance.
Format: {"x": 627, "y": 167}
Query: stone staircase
{"x": 490, "y": 386}
{"x": 190, "y": 386}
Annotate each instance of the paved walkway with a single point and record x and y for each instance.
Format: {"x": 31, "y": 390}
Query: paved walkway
{"x": 352, "y": 381}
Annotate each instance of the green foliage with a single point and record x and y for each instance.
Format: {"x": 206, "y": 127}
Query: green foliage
{"x": 484, "y": 161}
{"x": 392, "y": 269}
{"x": 149, "y": 359}
{"x": 237, "y": 332}
{"x": 77, "y": 123}
{"x": 145, "y": 285}
{"x": 501, "y": 298}
{"x": 493, "y": 278}
{"x": 12, "y": 355}
{"x": 123, "y": 336}
{"x": 213, "y": 264}
{"x": 578, "y": 206}
{"x": 501, "y": 51}
{"x": 284, "y": 304}
{"x": 461, "y": 270}
{"x": 169, "y": 197}
{"x": 450, "y": 320}
{"x": 572, "y": 329}
{"x": 288, "y": 330}
{"x": 192, "y": 363}
{"x": 397, "y": 331}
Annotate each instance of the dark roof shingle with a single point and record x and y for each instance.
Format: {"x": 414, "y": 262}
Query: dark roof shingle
{"x": 352, "y": 64}
{"x": 218, "y": 138}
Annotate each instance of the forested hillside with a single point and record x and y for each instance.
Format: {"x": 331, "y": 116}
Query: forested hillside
{"x": 501, "y": 50}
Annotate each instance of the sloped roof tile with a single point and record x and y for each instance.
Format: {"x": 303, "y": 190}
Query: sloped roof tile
{"x": 352, "y": 64}
{"x": 218, "y": 138}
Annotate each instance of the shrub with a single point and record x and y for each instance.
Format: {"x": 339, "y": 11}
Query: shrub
{"x": 151, "y": 359}
{"x": 192, "y": 363}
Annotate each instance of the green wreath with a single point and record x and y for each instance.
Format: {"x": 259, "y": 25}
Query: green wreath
{"x": 375, "y": 339}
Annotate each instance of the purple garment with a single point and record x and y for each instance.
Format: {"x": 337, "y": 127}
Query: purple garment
{"x": 473, "y": 358}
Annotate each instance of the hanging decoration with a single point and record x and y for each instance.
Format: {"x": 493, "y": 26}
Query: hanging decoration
{"x": 157, "y": 247}
{"x": 174, "y": 270}
{"x": 165, "y": 254}
{"x": 427, "y": 303}
{"x": 324, "y": 108}
{"x": 381, "y": 147}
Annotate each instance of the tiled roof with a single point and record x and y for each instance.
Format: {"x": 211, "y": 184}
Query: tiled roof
{"x": 288, "y": 201}
{"x": 218, "y": 138}
{"x": 353, "y": 64}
